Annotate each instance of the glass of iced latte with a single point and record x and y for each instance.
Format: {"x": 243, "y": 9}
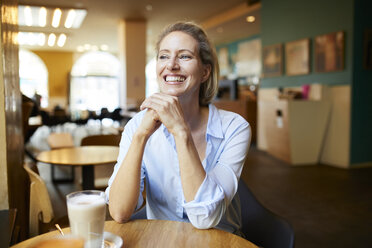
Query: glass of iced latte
{"x": 86, "y": 212}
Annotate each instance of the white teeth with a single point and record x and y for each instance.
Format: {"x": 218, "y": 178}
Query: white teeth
{"x": 175, "y": 79}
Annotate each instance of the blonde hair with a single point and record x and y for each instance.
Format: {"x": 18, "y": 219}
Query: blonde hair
{"x": 207, "y": 54}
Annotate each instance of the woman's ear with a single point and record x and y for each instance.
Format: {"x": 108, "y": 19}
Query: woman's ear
{"x": 206, "y": 72}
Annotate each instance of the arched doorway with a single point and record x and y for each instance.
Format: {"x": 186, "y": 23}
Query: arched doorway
{"x": 95, "y": 82}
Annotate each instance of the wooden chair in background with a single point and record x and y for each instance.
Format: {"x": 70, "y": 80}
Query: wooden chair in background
{"x": 101, "y": 140}
{"x": 102, "y": 173}
{"x": 41, "y": 213}
{"x": 57, "y": 141}
{"x": 41, "y": 210}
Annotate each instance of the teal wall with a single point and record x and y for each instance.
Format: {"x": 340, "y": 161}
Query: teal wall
{"x": 289, "y": 20}
{"x": 361, "y": 99}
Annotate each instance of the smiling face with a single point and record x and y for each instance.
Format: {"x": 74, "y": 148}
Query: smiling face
{"x": 179, "y": 68}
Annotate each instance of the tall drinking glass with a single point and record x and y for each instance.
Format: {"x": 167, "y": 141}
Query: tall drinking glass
{"x": 87, "y": 212}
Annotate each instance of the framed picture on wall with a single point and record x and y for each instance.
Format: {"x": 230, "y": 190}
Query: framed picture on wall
{"x": 368, "y": 49}
{"x": 272, "y": 60}
{"x": 297, "y": 55}
{"x": 330, "y": 52}
{"x": 248, "y": 58}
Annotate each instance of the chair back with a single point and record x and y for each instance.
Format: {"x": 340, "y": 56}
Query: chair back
{"x": 60, "y": 140}
{"x": 102, "y": 174}
{"x": 41, "y": 210}
{"x": 101, "y": 140}
{"x": 260, "y": 225}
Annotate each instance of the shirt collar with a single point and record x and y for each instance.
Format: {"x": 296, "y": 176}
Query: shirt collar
{"x": 214, "y": 125}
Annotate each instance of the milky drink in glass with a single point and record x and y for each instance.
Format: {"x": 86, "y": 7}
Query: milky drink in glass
{"x": 87, "y": 213}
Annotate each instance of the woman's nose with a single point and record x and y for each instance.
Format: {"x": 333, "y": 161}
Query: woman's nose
{"x": 172, "y": 64}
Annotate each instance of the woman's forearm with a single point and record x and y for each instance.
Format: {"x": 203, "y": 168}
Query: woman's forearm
{"x": 125, "y": 188}
{"x": 191, "y": 168}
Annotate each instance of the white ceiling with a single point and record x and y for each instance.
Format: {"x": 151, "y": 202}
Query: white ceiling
{"x": 100, "y": 24}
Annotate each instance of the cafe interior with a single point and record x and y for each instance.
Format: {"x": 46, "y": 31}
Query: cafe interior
{"x": 73, "y": 73}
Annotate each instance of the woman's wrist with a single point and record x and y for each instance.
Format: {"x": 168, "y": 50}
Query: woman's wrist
{"x": 140, "y": 136}
{"x": 182, "y": 133}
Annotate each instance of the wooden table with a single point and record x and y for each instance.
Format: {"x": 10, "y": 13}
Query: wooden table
{"x": 162, "y": 233}
{"x": 85, "y": 156}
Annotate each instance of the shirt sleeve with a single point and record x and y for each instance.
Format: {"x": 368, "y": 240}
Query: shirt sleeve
{"x": 221, "y": 182}
{"x": 126, "y": 139}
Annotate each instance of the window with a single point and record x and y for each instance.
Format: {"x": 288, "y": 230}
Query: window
{"x": 95, "y": 82}
{"x": 33, "y": 76}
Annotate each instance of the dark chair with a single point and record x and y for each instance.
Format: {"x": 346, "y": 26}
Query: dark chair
{"x": 116, "y": 115}
{"x": 45, "y": 118}
{"x": 140, "y": 215}
{"x": 261, "y": 226}
{"x": 104, "y": 114}
{"x": 102, "y": 174}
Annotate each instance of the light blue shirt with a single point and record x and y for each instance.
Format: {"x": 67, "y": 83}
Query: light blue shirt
{"x": 216, "y": 203}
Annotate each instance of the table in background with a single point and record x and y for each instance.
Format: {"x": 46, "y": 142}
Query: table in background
{"x": 162, "y": 233}
{"x": 85, "y": 156}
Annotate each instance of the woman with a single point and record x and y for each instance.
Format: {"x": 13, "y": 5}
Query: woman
{"x": 189, "y": 153}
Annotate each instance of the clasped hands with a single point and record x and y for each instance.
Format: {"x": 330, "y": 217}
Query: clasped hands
{"x": 162, "y": 108}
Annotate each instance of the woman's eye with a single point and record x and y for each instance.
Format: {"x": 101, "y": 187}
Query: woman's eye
{"x": 163, "y": 56}
{"x": 184, "y": 56}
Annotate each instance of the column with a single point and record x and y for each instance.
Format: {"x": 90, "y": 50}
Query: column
{"x": 132, "y": 54}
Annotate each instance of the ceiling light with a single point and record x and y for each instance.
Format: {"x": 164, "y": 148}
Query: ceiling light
{"x": 70, "y": 18}
{"x": 41, "y": 39}
{"x": 51, "y": 39}
{"x": 31, "y": 39}
{"x": 61, "y": 40}
{"x": 40, "y": 16}
{"x": 28, "y": 16}
{"x": 80, "y": 15}
{"x": 56, "y": 17}
{"x": 27, "y": 38}
{"x": 250, "y": 18}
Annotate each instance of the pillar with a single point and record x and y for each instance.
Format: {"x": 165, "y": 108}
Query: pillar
{"x": 132, "y": 55}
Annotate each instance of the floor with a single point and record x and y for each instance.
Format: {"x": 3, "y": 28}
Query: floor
{"x": 327, "y": 206}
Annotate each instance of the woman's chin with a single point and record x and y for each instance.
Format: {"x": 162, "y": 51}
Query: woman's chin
{"x": 171, "y": 92}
